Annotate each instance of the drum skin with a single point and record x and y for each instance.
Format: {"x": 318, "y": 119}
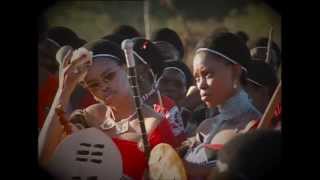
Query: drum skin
{"x": 165, "y": 164}
{"x": 87, "y": 154}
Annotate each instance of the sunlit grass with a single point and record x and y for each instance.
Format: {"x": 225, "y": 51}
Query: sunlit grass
{"x": 93, "y": 19}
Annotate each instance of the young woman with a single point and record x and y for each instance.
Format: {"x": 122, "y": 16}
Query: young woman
{"x": 106, "y": 79}
{"x": 53, "y": 39}
{"x": 175, "y": 80}
{"x": 219, "y": 68}
{"x": 174, "y": 83}
{"x": 171, "y": 48}
{"x": 149, "y": 67}
{"x": 262, "y": 81}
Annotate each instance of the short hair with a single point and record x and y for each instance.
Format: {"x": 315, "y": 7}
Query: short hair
{"x": 180, "y": 65}
{"x": 147, "y": 50}
{"x": 263, "y": 74}
{"x": 127, "y": 31}
{"x": 229, "y": 45}
{"x": 116, "y": 38}
{"x": 243, "y": 35}
{"x": 106, "y": 47}
{"x": 170, "y": 36}
{"x": 65, "y": 36}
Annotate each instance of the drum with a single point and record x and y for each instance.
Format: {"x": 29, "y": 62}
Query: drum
{"x": 86, "y": 155}
{"x": 165, "y": 164}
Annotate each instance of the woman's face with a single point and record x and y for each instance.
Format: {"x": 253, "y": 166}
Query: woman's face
{"x": 145, "y": 79}
{"x": 214, "y": 78}
{"x": 107, "y": 81}
{"x": 173, "y": 85}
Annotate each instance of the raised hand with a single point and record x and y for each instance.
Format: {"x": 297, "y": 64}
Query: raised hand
{"x": 73, "y": 67}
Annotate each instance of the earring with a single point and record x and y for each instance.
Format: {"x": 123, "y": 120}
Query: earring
{"x": 235, "y": 85}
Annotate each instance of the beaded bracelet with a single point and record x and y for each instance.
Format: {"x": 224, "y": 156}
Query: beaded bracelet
{"x": 63, "y": 121}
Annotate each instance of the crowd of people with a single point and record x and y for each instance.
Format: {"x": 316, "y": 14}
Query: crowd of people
{"x": 202, "y": 112}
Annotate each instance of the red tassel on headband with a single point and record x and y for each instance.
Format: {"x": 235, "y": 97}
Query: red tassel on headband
{"x": 145, "y": 45}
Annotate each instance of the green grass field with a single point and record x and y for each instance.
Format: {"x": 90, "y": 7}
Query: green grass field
{"x": 94, "y": 19}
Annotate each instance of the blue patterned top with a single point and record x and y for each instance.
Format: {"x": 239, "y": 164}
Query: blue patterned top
{"x": 235, "y": 113}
